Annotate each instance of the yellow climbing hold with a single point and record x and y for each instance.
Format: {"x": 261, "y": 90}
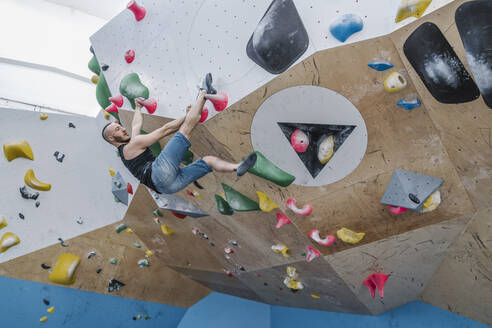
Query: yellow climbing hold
{"x": 111, "y": 171}
{"x": 94, "y": 79}
{"x": 106, "y": 115}
{"x": 43, "y": 116}
{"x": 281, "y": 249}
{"x": 43, "y": 319}
{"x": 31, "y": 181}
{"x": 350, "y": 236}
{"x": 64, "y": 270}
{"x": 266, "y": 204}
{"x": 315, "y": 296}
{"x": 51, "y": 310}
{"x": 291, "y": 271}
{"x": 149, "y": 253}
{"x": 8, "y": 240}
{"x": 167, "y": 230}
{"x": 139, "y": 316}
{"x": 411, "y": 8}
{"x": 325, "y": 149}
{"x": 12, "y": 150}
{"x": 3, "y": 222}
{"x": 395, "y": 82}
{"x": 129, "y": 230}
{"x": 432, "y": 202}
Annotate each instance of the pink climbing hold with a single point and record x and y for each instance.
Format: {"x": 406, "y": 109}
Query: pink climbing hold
{"x": 372, "y": 287}
{"x": 282, "y": 220}
{"x": 149, "y": 104}
{"x": 138, "y": 11}
{"x": 299, "y": 141}
{"x": 112, "y": 109}
{"x": 129, "y": 55}
{"x": 311, "y": 253}
{"x": 376, "y": 280}
{"x": 397, "y": 209}
{"x": 117, "y": 100}
{"x": 204, "y": 116}
{"x": 304, "y": 211}
{"x": 327, "y": 241}
{"x": 129, "y": 188}
{"x": 220, "y": 101}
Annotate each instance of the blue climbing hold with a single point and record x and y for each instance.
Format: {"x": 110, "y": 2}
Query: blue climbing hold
{"x": 343, "y": 27}
{"x": 380, "y": 65}
{"x": 409, "y": 104}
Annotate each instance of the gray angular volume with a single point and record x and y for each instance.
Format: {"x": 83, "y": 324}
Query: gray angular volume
{"x": 410, "y": 190}
{"x": 177, "y": 204}
{"x": 118, "y": 187}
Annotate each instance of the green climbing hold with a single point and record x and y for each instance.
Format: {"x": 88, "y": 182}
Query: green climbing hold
{"x": 103, "y": 92}
{"x": 94, "y": 66}
{"x": 154, "y": 148}
{"x": 131, "y": 87}
{"x": 156, "y": 212}
{"x": 222, "y": 206}
{"x": 238, "y": 201}
{"x": 269, "y": 171}
{"x": 120, "y": 228}
{"x": 188, "y": 157}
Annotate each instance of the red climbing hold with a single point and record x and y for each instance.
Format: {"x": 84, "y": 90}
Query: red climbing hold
{"x": 204, "y": 116}
{"x": 117, "y": 100}
{"x": 377, "y": 280}
{"x": 304, "y": 211}
{"x": 138, "y": 11}
{"x": 129, "y": 55}
{"x": 112, "y": 109}
{"x": 281, "y": 220}
{"x": 189, "y": 193}
{"x": 129, "y": 188}
{"x": 311, "y": 253}
{"x": 178, "y": 215}
{"x": 397, "y": 209}
{"x": 220, "y": 101}
{"x": 149, "y": 104}
{"x": 299, "y": 141}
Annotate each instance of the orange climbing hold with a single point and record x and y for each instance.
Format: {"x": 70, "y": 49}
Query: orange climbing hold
{"x": 13, "y": 150}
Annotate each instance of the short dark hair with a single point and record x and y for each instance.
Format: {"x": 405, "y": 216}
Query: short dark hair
{"x": 104, "y": 129}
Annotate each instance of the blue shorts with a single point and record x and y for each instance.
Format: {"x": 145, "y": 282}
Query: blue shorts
{"x": 167, "y": 176}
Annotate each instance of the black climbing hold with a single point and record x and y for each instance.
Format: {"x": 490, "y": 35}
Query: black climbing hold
{"x": 59, "y": 157}
{"x": 91, "y": 254}
{"x": 99, "y": 271}
{"x": 71, "y": 125}
{"x": 37, "y": 204}
{"x": 246, "y": 164}
{"x": 242, "y": 268}
{"x": 294, "y": 290}
{"x": 212, "y": 244}
{"x": 62, "y": 242}
{"x": 27, "y": 195}
{"x": 46, "y": 302}
{"x": 199, "y": 186}
{"x": 207, "y": 85}
{"x": 414, "y": 198}
{"x": 91, "y": 49}
{"x": 104, "y": 67}
{"x": 316, "y": 133}
{"x": 114, "y": 285}
{"x": 266, "y": 284}
{"x": 45, "y": 266}
{"x": 438, "y": 66}
{"x": 134, "y": 318}
{"x": 80, "y": 221}
{"x": 22, "y": 216}
{"x": 279, "y": 38}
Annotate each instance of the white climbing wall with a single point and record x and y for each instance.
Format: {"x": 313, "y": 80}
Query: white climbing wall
{"x": 179, "y": 41}
{"x": 81, "y": 184}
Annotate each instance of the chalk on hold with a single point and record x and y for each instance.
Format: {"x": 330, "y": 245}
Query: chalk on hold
{"x": 281, "y": 249}
{"x": 129, "y": 56}
{"x": 228, "y": 250}
{"x": 397, "y": 209}
{"x": 238, "y": 201}
{"x": 136, "y": 244}
{"x": 143, "y": 263}
{"x": 167, "y": 230}
{"x": 266, "y": 204}
{"x": 269, "y": 171}
{"x": 299, "y": 141}
{"x": 64, "y": 270}
{"x": 343, "y": 27}
{"x": 149, "y": 104}
{"x": 157, "y": 212}
{"x": 138, "y": 11}
{"x": 204, "y": 114}
{"x": 311, "y": 253}
{"x": 409, "y": 104}
{"x": 395, "y": 82}
{"x": 43, "y": 116}
{"x": 112, "y": 108}
{"x": 432, "y": 202}
{"x": 3, "y": 222}
{"x": 326, "y": 149}
{"x": 113, "y": 261}
{"x": 350, "y": 236}
{"x": 376, "y": 281}
{"x": 282, "y": 220}
{"x": 13, "y": 150}
{"x": 31, "y": 181}
{"x": 8, "y": 240}
{"x": 304, "y": 211}
{"x": 380, "y": 65}
{"x": 291, "y": 280}
{"x": 327, "y": 241}
{"x": 131, "y": 87}
{"x": 411, "y": 8}
{"x": 219, "y": 100}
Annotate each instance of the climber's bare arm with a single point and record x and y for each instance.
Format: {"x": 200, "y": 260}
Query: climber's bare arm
{"x": 137, "y": 120}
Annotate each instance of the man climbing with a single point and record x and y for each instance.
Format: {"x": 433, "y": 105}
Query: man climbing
{"x": 163, "y": 174}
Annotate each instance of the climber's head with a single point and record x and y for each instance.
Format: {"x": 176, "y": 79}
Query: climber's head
{"x": 115, "y": 134}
